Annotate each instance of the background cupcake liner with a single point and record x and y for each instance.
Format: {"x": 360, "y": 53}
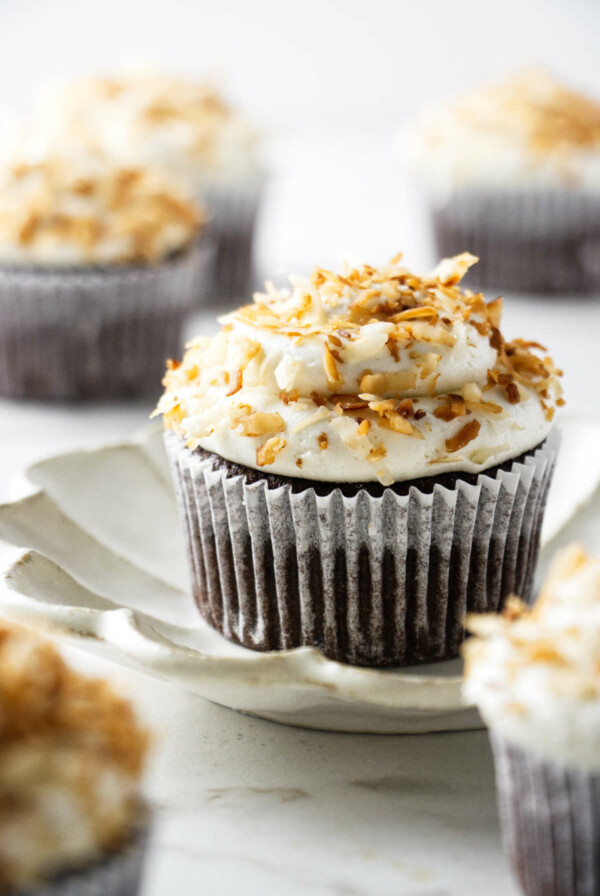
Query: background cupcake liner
{"x": 94, "y": 333}
{"x": 233, "y": 215}
{"x": 116, "y": 874}
{"x": 368, "y": 580}
{"x": 550, "y": 819}
{"x": 527, "y": 240}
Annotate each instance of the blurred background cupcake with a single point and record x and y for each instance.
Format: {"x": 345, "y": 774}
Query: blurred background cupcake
{"x": 186, "y": 127}
{"x": 535, "y": 676}
{"x": 512, "y": 171}
{"x": 72, "y": 820}
{"x": 100, "y": 266}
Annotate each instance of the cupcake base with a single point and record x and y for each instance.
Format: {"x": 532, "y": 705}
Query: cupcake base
{"x": 550, "y": 819}
{"x": 536, "y": 241}
{"x": 99, "y": 333}
{"x": 369, "y": 575}
{"x": 118, "y": 873}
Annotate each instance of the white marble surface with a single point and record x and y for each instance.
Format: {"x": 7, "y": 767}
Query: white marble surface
{"x": 248, "y": 804}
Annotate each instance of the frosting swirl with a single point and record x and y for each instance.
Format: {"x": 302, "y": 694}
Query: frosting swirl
{"x": 364, "y": 375}
{"x": 534, "y": 672}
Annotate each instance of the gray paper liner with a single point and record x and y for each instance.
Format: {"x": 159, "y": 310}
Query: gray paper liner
{"x": 116, "y": 874}
{"x": 526, "y": 240}
{"x": 97, "y": 332}
{"x": 233, "y": 217}
{"x": 369, "y": 581}
{"x": 550, "y": 817}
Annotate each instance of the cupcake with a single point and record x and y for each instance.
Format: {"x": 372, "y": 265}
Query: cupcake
{"x": 535, "y": 675}
{"x": 99, "y": 271}
{"x": 359, "y": 461}
{"x": 513, "y": 171}
{"x": 71, "y": 757}
{"x": 186, "y": 127}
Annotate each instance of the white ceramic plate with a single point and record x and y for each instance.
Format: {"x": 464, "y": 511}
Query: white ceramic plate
{"x": 101, "y": 559}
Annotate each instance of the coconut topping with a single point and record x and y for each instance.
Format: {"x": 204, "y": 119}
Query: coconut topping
{"x": 71, "y": 757}
{"x": 54, "y": 212}
{"x": 370, "y": 374}
{"x": 181, "y": 124}
{"x": 530, "y": 126}
{"x": 535, "y": 673}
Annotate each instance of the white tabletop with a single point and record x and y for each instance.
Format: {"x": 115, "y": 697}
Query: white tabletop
{"x": 243, "y": 803}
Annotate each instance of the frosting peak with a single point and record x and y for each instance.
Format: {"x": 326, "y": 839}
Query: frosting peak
{"x": 363, "y": 375}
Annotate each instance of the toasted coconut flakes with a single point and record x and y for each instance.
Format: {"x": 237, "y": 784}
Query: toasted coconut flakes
{"x": 428, "y": 333}
{"x": 382, "y": 406}
{"x": 400, "y": 424}
{"x": 333, "y": 377}
{"x": 450, "y": 271}
{"x": 512, "y": 393}
{"x": 494, "y": 312}
{"x": 454, "y": 406}
{"x": 322, "y": 414}
{"x": 420, "y": 413}
{"x": 235, "y": 381}
{"x": 480, "y": 455}
{"x": 465, "y": 435}
{"x": 471, "y": 392}
{"x": 486, "y": 407}
{"x": 349, "y": 402}
{"x": 267, "y": 453}
{"x": 322, "y": 441}
{"x": 259, "y": 424}
{"x": 299, "y": 463}
{"x": 377, "y": 453}
{"x": 413, "y": 313}
{"x": 427, "y": 364}
{"x": 363, "y": 427}
{"x": 386, "y": 383}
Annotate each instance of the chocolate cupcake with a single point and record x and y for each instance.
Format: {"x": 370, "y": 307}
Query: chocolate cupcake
{"x": 535, "y": 676}
{"x": 188, "y": 128}
{"x": 99, "y": 271}
{"x": 359, "y": 461}
{"x": 71, "y": 758}
{"x": 513, "y": 172}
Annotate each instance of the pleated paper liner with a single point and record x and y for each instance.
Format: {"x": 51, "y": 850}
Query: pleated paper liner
{"x": 545, "y": 241}
{"x": 98, "y": 332}
{"x": 550, "y": 817}
{"x": 368, "y": 580}
{"x": 233, "y": 210}
{"x": 117, "y": 873}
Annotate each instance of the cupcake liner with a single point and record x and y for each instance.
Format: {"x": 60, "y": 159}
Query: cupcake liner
{"x": 368, "y": 580}
{"x": 97, "y": 332}
{"x": 535, "y": 240}
{"x": 233, "y": 216}
{"x": 550, "y": 817}
{"x": 117, "y": 873}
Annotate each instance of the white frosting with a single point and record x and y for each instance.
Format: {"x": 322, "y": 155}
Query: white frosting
{"x": 153, "y": 118}
{"x": 281, "y": 343}
{"x": 536, "y": 678}
{"x": 526, "y": 132}
{"x": 65, "y": 211}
